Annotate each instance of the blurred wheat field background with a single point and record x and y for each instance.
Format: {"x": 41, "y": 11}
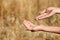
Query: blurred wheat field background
{"x": 13, "y": 12}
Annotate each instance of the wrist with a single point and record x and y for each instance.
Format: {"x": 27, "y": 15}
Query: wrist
{"x": 45, "y": 28}
{"x": 39, "y": 28}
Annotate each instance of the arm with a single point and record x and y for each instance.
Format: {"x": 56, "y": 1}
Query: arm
{"x": 48, "y": 29}
{"x": 31, "y": 27}
{"x": 58, "y": 11}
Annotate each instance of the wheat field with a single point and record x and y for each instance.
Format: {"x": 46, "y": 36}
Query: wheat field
{"x": 13, "y": 12}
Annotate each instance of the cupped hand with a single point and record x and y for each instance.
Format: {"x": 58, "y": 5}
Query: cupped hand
{"x": 48, "y": 12}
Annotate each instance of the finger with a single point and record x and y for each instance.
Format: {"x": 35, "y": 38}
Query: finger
{"x": 42, "y": 15}
{"x": 52, "y": 13}
{"x": 47, "y": 13}
{"x": 30, "y": 23}
{"x": 43, "y": 11}
{"x": 27, "y": 25}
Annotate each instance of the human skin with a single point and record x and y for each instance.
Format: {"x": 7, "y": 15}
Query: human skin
{"x": 48, "y": 29}
{"x": 50, "y": 11}
{"x": 44, "y": 14}
{"x": 31, "y": 27}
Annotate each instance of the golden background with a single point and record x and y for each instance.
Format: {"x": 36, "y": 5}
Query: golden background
{"x": 13, "y": 12}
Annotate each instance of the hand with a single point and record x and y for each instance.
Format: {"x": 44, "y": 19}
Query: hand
{"x": 31, "y": 27}
{"x": 48, "y": 12}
